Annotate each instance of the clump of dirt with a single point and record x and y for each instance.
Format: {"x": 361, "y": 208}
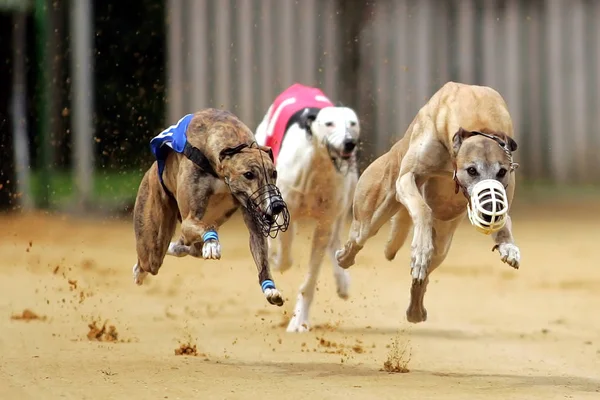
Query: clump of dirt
{"x": 72, "y": 284}
{"x": 102, "y": 334}
{"x": 398, "y": 358}
{"x": 83, "y": 295}
{"x": 27, "y": 315}
{"x": 186, "y": 349}
{"x": 358, "y": 349}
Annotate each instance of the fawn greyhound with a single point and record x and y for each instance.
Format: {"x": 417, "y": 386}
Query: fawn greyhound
{"x": 455, "y": 159}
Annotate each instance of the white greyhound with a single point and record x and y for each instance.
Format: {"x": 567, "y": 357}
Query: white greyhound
{"x": 313, "y": 144}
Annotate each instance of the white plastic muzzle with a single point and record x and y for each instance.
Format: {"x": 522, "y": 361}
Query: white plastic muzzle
{"x": 488, "y": 206}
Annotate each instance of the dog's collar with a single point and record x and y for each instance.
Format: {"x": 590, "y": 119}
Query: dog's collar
{"x": 501, "y": 143}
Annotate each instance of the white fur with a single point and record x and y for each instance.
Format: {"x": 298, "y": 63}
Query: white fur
{"x": 211, "y": 250}
{"x": 510, "y": 254}
{"x": 139, "y": 275}
{"x": 273, "y": 296}
{"x": 306, "y": 175}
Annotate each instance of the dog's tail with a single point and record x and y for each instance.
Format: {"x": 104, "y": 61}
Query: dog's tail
{"x": 399, "y": 228}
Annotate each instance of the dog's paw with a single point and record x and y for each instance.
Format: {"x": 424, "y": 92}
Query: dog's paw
{"x": 420, "y": 259}
{"x": 343, "y": 257}
{"x": 510, "y": 254}
{"x": 298, "y": 325}
{"x": 416, "y": 315}
{"x": 342, "y": 282}
{"x": 138, "y": 275}
{"x": 274, "y": 296}
{"x": 178, "y": 250}
{"x": 211, "y": 250}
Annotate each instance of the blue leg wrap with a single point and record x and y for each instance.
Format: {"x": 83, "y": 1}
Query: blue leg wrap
{"x": 267, "y": 284}
{"x": 210, "y": 235}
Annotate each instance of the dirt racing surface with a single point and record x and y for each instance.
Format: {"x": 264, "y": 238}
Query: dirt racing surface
{"x": 76, "y": 327}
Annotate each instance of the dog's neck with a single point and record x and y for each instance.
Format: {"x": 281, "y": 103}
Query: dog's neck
{"x": 198, "y": 158}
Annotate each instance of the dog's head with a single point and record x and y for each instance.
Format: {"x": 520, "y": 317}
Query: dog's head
{"x": 338, "y": 128}
{"x": 250, "y": 173}
{"x": 483, "y": 165}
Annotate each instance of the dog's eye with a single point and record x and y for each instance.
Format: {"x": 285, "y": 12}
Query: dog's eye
{"x": 472, "y": 171}
{"x": 274, "y": 174}
{"x": 329, "y": 124}
{"x": 501, "y": 173}
{"x": 248, "y": 175}
{"x": 353, "y": 124}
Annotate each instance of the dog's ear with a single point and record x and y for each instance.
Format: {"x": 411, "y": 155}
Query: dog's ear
{"x": 512, "y": 145}
{"x": 229, "y": 151}
{"x": 267, "y": 150}
{"x": 309, "y": 121}
{"x": 458, "y": 138}
{"x": 307, "y": 118}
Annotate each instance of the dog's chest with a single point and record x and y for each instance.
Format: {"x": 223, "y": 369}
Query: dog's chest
{"x": 220, "y": 203}
{"x": 439, "y": 193}
{"x": 322, "y": 193}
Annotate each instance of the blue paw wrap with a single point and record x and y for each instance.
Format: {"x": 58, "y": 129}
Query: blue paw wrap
{"x": 268, "y": 284}
{"x": 210, "y": 235}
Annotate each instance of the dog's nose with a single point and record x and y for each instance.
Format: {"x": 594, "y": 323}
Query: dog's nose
{"x": 277, "y": 207}
{"x": 487, "y": 206}
{"x": 349, "y": 145}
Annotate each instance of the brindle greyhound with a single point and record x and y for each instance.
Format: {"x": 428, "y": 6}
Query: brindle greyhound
{"x": 461, "y": 140}
{"x": 207, "y": 166}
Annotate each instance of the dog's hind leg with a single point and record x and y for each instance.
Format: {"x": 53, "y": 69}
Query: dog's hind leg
{"x": 401, "y": 223}
{"x": 443, "y": 232}
{"x": 299, "y": 321}
{"x": 280, "y": 249}
{"x": 342, "y": 277}
{"x": 365, "y": 224}
{"x": 154, "y": 220}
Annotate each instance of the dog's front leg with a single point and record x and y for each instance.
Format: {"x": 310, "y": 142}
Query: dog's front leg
{"x": 259, "y": 248}
{"x": 509, "y": 252}
{"x": 194, "y": 231}
{"x": 299, "y": 321}
{"x": 179, "y": 249}
{"x": 408, "y": 194}
{"x": 341, "y": 275}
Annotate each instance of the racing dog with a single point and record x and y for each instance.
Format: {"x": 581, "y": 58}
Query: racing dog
{"x": 455, "y": 159}
{"x": 207, "y": 166}
{"x": 314, "y": 145}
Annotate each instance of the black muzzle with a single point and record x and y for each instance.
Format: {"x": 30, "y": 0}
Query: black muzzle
{"x": 269, "y": 211}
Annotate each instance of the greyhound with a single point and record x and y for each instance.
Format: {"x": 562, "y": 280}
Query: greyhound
{"x": 455, "y": 159}
{"x": 208, "y": 165}
{"x": 314, "y": 146}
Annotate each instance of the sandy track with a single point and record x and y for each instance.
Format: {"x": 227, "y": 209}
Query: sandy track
{"x": 492, "y": 332}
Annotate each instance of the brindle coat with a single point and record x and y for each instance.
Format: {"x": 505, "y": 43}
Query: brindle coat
{"x": 200, "y": 200}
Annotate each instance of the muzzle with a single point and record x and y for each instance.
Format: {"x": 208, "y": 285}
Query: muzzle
{"x": 488, "y": 206}
{"x": 268, "y": 210}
